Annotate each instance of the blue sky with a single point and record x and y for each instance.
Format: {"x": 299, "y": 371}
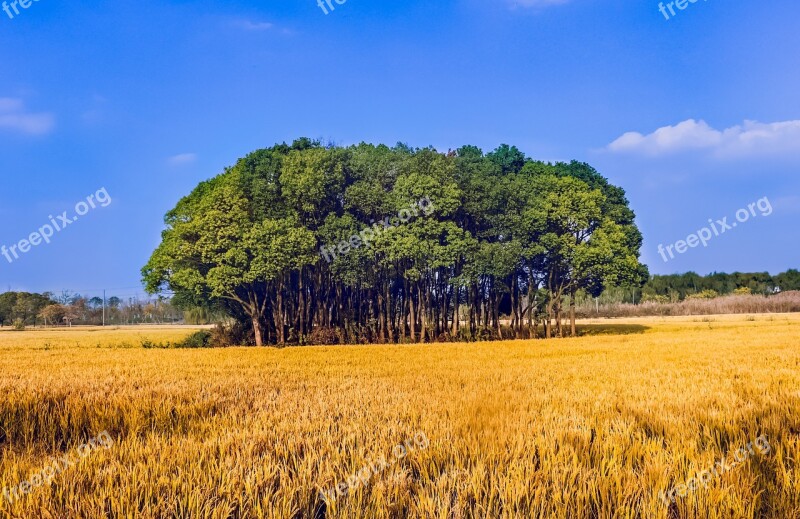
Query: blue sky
{"x": 696, "y": 116}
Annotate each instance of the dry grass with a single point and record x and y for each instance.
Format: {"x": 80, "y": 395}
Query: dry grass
{"x": 731, "y": 304}
{"x": 587, "y": 427}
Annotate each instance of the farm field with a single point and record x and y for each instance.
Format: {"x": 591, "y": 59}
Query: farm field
{"x": 596, "y": 426}
{"x": 93, "y": 336}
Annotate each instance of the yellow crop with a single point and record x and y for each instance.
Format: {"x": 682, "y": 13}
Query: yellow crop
{"x": 590, "y": 427}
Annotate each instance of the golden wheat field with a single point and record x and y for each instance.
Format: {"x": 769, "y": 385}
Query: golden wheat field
{"x": 592, "y": 427}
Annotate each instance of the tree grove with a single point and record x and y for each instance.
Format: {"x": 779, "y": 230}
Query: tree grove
{"x": 505, "y": 243}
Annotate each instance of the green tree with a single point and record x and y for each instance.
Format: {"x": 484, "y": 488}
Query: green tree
{"x": 789, "y": 280}
{"x": 212, "y": 248}
{"x": 499, "y": 234}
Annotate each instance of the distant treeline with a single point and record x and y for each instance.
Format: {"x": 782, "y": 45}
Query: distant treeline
{"x": 693, "y": 294}
{"x": 21, "y": 309}
{"x": 306, "y": 243}
{"x": 677, "y": 287}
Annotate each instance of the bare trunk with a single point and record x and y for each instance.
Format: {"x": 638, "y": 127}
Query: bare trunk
{"x": 257, "y": 331}
{"x": 411, "y": 315}
{"x": 572, "y": 327}
{"x": 455, "y": 311}
{"x": 423, "y": 331}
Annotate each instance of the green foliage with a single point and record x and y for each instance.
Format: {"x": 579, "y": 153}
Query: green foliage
{"x": 789, "y": 280}
{"x": 199, "y": 339}
{"x": 22, "y": 306}
{"x": 202, "y": 315}
{"x": 504, "y": 234}
{"x": 705, "y": 294}
{"x": 684, "y": 285}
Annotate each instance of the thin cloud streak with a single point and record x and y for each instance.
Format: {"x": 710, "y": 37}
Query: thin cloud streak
{"x": 14, "y": 117}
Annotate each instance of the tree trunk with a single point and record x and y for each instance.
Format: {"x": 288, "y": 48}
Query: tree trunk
{"x": 455, "y": 311}
{"x": 411, "y": 314}
{"x": 572, "y": 327}
{"x": 389, "y": 316}
{"x": 548, "y": 324}
{"x": 496, "y": 313}
{"x": 257, "y": 330}
{"x": 423, "y": 331}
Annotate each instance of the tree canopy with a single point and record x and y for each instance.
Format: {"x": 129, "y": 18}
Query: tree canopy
{"x": 310, "y": 243}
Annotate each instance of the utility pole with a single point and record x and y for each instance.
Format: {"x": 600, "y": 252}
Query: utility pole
{"x": 104, "y": 307}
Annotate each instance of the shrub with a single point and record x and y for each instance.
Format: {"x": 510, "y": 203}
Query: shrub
{"x": 200, "y": 339}
{"x": 743, "y": 291}
{"x": 323, "y": 337}
{"x": 19, "y": 325}
{"x": 236, "y": 334}
{"x": 443, "y": 337}
{"x": 486, "y": 333}
{"x": 705, "y": 294}
{"x": 656, "y": 299}
{"x": 148, "y": 344}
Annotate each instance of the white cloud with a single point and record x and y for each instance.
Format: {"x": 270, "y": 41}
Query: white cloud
{"x": 8, "y": 104}
{"x": 14, "y": 117}
{"x": 751, "y": 138}
{"x": 182, "y": 158}
{"x": 254, "y": 26}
